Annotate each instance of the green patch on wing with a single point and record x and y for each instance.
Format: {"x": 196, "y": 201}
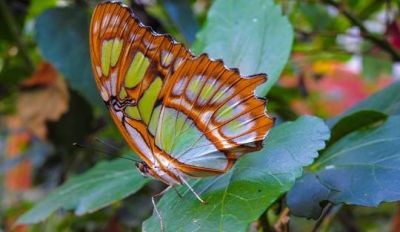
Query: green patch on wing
{"x": 136, "y": 70}
{"x": 176, "y": 132}
{"x": 146, "y": 103}
{"x": 133, "y": 112}
{"x": 116, "y": 51}
{"x": 106, "y": 56}
{"x": 206, "y": 92}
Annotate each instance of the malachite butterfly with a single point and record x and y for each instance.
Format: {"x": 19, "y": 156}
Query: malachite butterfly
{"x": 185, "y": 116}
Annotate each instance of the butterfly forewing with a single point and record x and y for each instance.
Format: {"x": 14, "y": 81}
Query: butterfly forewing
{"x": 169, "y": 105}
{"x": 130, "y": 66}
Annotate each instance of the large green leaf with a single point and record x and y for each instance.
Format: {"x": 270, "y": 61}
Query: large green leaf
{"x": 362, "y": 168}
{"x": 107, "y": 182}
{"x": 240, "y": 196}
{"x": 370, "y": 158}
{"x": 309, "y": 191}
{"x": 62, "y": 35}
{"x": 256, "y": 37}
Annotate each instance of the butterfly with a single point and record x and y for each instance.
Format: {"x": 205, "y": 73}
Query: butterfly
{"x": 185, "y": 116}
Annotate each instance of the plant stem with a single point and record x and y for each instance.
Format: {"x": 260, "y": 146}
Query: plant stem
{"x": 15, "y": 33}
{"x": 378, "y": 41}
{"x": 321, "y": 219}
{"x": 282, "y": 225}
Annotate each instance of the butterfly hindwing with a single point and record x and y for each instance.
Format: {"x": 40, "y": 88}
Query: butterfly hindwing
{"x": 218, "y": 117}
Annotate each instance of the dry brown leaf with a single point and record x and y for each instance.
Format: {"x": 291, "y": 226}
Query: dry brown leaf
{"x": 44, "y": 76}
{"x": 46, "y": 102}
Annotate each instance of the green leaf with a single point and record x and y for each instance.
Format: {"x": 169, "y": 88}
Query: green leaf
{"x": 316, "y": 15}
{"x": 62, "y": 35}
{"x": 306, "y": 198}
{"x": 374, "y": 66}
{"x": 240, "y": 196}
{"x": 38, "y": 6}
{"x": 387, "y": 101}
{"x": 183, "y": 17}
{"x": 355, "y": 121}
{"x": 309, "y": 191}
{"x": 255, "y": 38}
{"x": 102, "y": 185}
{"x": 362, "y": 168}
{"x": 371, "y": 160}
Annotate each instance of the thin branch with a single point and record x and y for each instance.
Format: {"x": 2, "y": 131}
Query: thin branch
{"x": 322, "y": 33}
{"x": 282, "y": 225}
{"x": 321, "y": 219}
{"x": 15, "y": 33}
{"x": 388, "y": 9}
{"x": 378, "y": 41}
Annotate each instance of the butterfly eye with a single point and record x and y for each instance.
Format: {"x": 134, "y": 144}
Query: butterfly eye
{"x": 143, "y": 168}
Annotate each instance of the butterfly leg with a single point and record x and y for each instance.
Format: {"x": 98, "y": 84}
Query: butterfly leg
{"x": 192, "y": 190}
{"x": 155, "y": 206}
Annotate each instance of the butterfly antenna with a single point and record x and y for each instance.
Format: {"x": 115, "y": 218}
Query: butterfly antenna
{"x": 78, "y": 145}
{"x": 107, "y": 144}
{"x": 131, "y": 159}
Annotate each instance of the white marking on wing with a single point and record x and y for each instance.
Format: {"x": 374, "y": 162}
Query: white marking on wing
{"x": 114, "y": 82}
{"x": 139, "y": 141}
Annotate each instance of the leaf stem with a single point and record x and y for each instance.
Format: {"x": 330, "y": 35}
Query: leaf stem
{"x": 282, "y": 225}
{"x": 321, "y": 219}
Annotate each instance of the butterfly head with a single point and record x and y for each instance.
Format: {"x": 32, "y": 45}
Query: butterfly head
{"x": 156, "y": 173}
{"x": 143, "y": 168}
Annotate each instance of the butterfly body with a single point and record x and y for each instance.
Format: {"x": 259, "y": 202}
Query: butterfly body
{"x": 185, "y": 116}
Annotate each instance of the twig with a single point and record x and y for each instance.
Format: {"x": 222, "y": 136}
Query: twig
{"x": 378, "y": 41}
{"x": 321, "y": 33}
{"x": 331, "y": 50}
{"x": 282, "y": 225}
{"x": 321, "y": 219}
{"x": 15, "y": 33}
